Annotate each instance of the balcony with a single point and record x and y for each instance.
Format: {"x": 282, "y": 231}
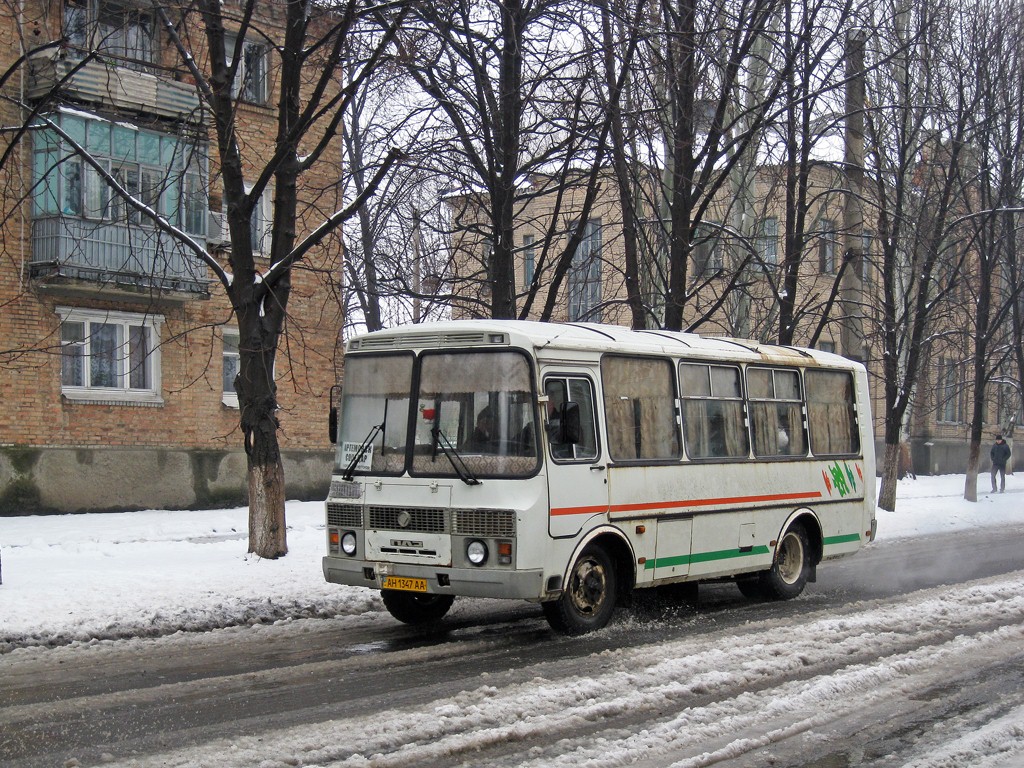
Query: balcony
{"x": 75, "y": 256}
{"x": 110, "y": 85}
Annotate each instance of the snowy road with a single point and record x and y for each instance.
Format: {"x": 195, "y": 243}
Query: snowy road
{"x": 867, "y": 668}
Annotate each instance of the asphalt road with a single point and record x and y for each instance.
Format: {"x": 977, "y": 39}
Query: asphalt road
{"x": 130, "y": 701}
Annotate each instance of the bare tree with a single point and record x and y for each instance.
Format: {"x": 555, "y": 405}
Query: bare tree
{"x": 527, "y": 120}
{"x": 922, "y": 102}
{"x": 303, "y": 45}
{"x": 994, "y": 205}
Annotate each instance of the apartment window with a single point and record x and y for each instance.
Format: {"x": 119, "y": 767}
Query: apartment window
{"x": 827, "y": 245}
{"x": 708, "y": 249}
{"x": 194, "y": 201}
{"x": 260, "y": 222}
{"x": 948, "y": 391}
{"x": 251, "y": 77}
{"x": 124, "y": 30}
{"x": 110, "y": 355}
{"x": 867, "y": 242}
{"x": 150, "y": 166}
{"x": 529, "y": 260}
{"x": 230, "y": 364}
{"x": 585, "y": 276}
{"x": 767, "y": 243}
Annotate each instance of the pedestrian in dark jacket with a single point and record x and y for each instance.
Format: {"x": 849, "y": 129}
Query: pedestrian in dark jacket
{"x": 999, "y": 454}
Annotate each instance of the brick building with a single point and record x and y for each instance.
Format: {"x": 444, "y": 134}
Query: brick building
{"x": 594, "y": 288}
{"x": 118, "y": 349}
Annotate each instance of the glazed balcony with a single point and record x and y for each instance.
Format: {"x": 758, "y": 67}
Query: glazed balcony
{"x": 71, "y": 255}
{"x": 113, "y": 84}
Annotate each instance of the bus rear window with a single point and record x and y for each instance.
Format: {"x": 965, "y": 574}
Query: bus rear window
{"x": 831, "y": 413}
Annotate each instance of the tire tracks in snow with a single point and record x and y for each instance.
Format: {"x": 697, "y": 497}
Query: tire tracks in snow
{"x": 724, "y": 697}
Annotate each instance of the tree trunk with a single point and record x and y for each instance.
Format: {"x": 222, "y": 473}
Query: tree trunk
{"x": 971, "y": 483}
{"x": 266, "y": 509}
{"x": 267, "y": 531}
{"x": 890, "y": 469}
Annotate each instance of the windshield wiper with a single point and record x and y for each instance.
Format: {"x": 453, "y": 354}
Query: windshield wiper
{"x": 376, "y": 429}
{"x": 440, "y": 440}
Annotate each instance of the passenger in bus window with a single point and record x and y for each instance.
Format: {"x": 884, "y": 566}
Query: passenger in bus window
{"x": 481, "y": 440}
{"x": 556, "y": 396}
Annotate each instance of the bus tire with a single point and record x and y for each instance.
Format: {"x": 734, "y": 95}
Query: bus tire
{"x": 415, "y": 608}
{"x": 751, "y": 588}
{"x": 791, "y": 567}
{"x": 588, "y": 600}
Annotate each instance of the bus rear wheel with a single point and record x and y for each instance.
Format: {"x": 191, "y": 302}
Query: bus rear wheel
{"x": 789, "y": 572}
{"x": 415, "y": 608}
{"x": 791, "y": 568}
{"x": 589, "y": 596}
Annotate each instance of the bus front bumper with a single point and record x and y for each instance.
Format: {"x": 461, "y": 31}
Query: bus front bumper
{"x": 466, "y": 582}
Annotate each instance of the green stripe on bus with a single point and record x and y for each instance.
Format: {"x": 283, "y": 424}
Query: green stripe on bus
{"x": 703, "y": 557}
{"x": 844, "y": 539}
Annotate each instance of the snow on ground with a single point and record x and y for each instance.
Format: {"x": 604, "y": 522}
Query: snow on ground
{"x": 69, "y": 578}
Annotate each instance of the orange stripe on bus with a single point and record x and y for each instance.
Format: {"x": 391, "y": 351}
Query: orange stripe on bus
{"x": 579, "y": 510}
{"x": 688, "y": 503}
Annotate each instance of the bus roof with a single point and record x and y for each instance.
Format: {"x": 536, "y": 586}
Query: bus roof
{"x": 589, "y": 337}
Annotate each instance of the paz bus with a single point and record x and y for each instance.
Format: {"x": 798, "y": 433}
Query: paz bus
{"x": 569, "y": 464}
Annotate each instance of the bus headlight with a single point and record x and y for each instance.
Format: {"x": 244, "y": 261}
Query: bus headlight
{"x": 476, "y": 552}
{"x": 348, "y": 543}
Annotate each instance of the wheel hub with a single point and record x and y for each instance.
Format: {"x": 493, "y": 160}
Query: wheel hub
{"x": 589, "y": 587}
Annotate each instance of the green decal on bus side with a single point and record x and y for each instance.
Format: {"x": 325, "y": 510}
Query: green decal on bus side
{"x": 726, "y": 554}
{"x": 703, "y": 557}
{"x": 845, "y": 539}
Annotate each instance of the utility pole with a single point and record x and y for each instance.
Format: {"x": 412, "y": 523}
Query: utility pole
{"x": 851, "y": 289}
{"x": 416, "y": 253}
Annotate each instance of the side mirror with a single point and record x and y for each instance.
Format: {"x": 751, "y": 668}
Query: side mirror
{"x": 332, "y": 418}
{"x": 569, "y": 423}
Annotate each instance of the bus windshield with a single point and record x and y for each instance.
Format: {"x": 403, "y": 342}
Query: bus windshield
{"x": 375, "y": 413}
{"x": 474, "y": 414}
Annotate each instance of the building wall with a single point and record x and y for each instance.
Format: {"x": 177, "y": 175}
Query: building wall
{"x": 60, "y": 480}
{"x": 60, "y": 454}
{"x": 937, "y": 446}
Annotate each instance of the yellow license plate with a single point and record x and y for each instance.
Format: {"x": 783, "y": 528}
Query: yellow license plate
{"x": 405, "y": 584}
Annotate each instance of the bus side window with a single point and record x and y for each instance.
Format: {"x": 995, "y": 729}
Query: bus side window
{"x": 580, "y": 392}
{"x": 776, "y": 417}
{"x": 713, "y": 418}
{"x": 639, "y": 407}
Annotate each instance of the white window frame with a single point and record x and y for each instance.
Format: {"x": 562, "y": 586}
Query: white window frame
{"x": 230, "y": 399}
{"x": 133, "y": 36}
{"x": 261, "y": 224}
{"x": 768, "y": 243}
{"x": 124, "y": 394}
{"x": 584, "y": 277}
{"x": 828, "y": 247}
{"x": 258, "y": 91}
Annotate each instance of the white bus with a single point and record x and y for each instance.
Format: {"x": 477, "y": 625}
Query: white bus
{"x": 572, "y": 463}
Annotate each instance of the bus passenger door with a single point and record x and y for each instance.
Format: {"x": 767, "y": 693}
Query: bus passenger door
{"x": 577, "y": 478}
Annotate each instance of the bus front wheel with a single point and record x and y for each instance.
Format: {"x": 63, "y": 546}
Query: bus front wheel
{"x": 589, "y": 596}
{"x": 415, "y": 608}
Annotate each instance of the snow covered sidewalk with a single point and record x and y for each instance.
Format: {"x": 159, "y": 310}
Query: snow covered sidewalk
{"x": 69, "y": 578}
